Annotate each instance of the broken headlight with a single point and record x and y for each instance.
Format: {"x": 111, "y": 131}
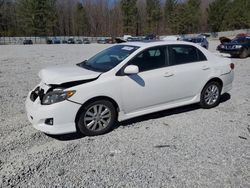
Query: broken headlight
{"x": 57, "y": 96}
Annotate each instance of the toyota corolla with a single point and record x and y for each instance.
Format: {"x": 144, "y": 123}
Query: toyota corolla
{"x": 125, "y": 81}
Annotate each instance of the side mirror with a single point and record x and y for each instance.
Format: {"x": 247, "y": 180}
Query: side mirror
{"x": 131, "y": 69}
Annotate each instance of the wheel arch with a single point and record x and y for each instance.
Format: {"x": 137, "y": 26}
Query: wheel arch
{"x": 215, "y": 79}
{"x": 202, "y": 102}
{"x": 95, "y": 99}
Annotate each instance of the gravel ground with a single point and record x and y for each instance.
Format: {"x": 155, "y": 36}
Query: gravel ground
{"x": 183, "y": 147}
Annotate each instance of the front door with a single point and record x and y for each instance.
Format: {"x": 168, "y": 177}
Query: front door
{"x": 149, "y": 86}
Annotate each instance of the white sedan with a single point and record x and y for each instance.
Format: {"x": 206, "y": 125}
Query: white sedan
{"x": 125, "y": 81}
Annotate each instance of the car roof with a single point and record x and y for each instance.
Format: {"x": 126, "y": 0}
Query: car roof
{"x": 146, "y": 44}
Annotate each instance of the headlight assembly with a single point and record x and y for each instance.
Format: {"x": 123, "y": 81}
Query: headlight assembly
{"x": 57, "y": 96}
{"x": 222, "y": 46}
{"x": 237, "y": 46}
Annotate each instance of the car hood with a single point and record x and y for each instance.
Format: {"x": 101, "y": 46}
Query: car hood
{"x": 63, "y": 74}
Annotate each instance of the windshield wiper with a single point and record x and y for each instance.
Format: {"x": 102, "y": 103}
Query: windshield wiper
{"x": 89, "y": 67}
{"x": 81, "y": 64}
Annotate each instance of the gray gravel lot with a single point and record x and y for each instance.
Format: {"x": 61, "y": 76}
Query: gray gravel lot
{"x": 183, "y": 147}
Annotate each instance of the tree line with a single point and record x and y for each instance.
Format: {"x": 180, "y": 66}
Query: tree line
{"x": 119, "y": 17}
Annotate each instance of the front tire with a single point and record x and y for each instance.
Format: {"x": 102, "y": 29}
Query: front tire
{"x": 244, "y": 54}
{"x": 210, "y": 95}
{"x": 97, "y": 118}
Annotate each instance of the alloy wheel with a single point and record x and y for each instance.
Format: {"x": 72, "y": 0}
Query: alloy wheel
{"x": 212, "y": 94}
{"x": 97, "y": 117}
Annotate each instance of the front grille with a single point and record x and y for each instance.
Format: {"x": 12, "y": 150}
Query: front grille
{"x": 228, "y": 47}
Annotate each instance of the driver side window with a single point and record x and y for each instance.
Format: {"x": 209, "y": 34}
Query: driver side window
{"x": 150, "y": 59}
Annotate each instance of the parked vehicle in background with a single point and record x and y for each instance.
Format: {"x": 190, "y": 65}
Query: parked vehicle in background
{"x": 238, "y": 47}
{"x": 56, "y": 41}
{"x": 109, "y": 40}
{"x": 64, "y": 41}
{"x": 125, "y": 81}
{"x": 133, "y": 39}
{"x": 86, "y": 41}
{"x": 201, "y": 40}
{"x": 102, "y": 41}
{"x": 78, "y": 41}
{"x": 105, "y": 41}
{"x": 125, "y": 37}
{"x": 204, "y": 35}
{"x": 128, "y": 38}
{"x": 224, "y": 40}
{"x": 242, "y": 35}
{"x": 49, "y": 41}
{"x": 27, "y": 42}
{"x": 71, "y": 41}
{"x": 150, "y": 37}
{"x": 53, "y": 41}
{"x": 171, "y": 37}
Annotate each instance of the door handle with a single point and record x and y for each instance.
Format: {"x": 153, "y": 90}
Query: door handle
{"x": 205, "y": 68}
{"x": 168, "y": 74}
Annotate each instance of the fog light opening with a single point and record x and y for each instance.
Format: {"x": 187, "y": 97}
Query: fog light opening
{"x": 232, "y": 66}
{"x": 49, "y": 121}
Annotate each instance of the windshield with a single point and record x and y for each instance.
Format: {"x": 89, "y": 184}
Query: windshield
{"x": 109, "y": 58}
{"x": 238, "y": 40}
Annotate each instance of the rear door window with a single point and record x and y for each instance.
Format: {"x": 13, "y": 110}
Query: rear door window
{"x": 182, "y": 54}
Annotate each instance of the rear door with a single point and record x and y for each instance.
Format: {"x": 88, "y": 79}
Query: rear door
{"x": 188, "y": 70}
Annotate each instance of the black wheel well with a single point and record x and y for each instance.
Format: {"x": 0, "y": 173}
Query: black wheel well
{"x": 95, "y": 99}
{"x": 218, "y": 80}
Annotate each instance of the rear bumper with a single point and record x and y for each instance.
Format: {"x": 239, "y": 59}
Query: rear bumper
{"x": 227, "y": 81}
{"x": 63, "y": 114}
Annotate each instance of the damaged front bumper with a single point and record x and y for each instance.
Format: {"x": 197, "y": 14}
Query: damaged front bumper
{"x": 58, "y": 118}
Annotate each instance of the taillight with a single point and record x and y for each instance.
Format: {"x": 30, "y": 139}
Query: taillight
{"x": 232, "y": 66}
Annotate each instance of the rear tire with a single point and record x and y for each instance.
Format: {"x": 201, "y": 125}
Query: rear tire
{"x": 210, "y": 95}
{"x": 97, "y": 118}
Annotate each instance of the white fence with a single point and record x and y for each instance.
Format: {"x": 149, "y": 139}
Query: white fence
{"x": 42, "y": 40}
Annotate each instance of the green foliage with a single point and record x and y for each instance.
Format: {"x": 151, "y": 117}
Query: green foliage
{"x": 229, "y": 15}
{"x": 154, "y": 15}
{"x": 193, "y": 15}
{"x": 129, "y": 12}
{"x": 169, "y": 11}
{"x": 216, "y": 14}
{"x": 82, "y": 24}
{"x": 7, "y": 18}
{"x": 36, "y": 16}
{"x": 184, "y": 17}
{"x": 99, "y": 17}
{"x": 237, "y": 17}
